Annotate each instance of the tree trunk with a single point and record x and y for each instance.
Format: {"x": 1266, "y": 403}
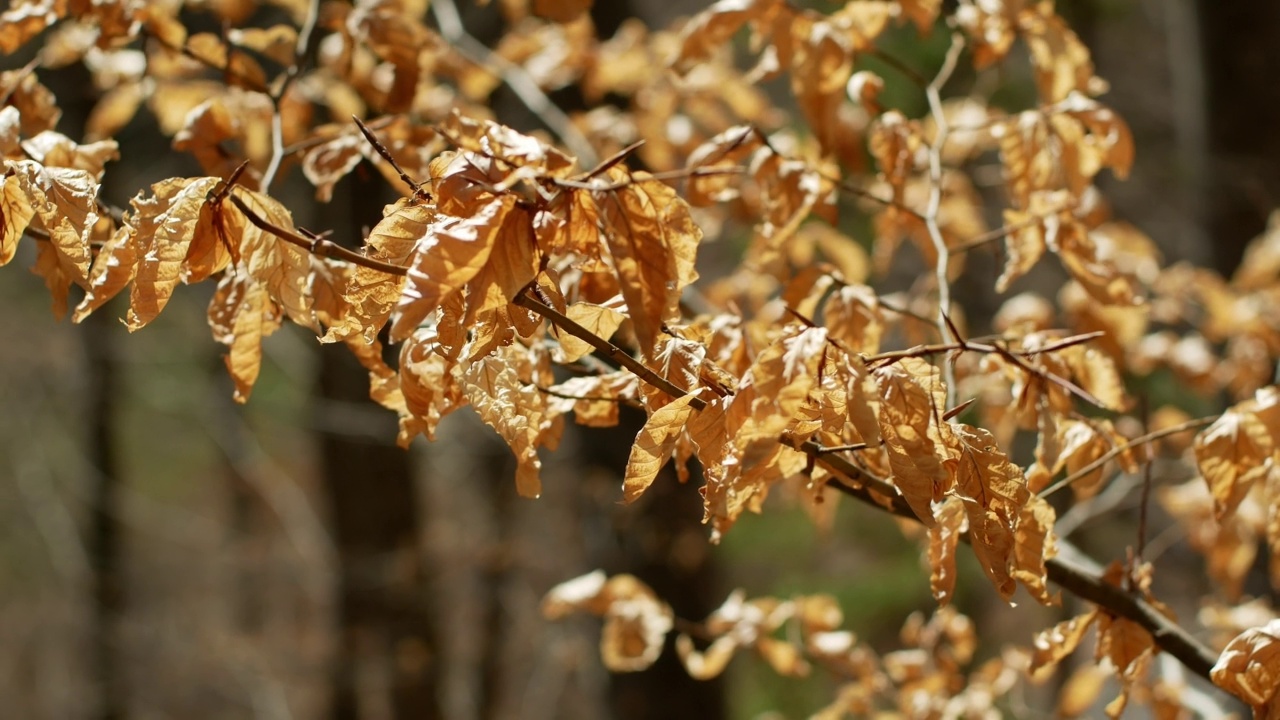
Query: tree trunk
{"x": 104, "y": 528}
{"x": 387, "y": 664}
{"x": 1242, "y": 60}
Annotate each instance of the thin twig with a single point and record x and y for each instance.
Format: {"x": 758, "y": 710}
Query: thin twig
{"x": 934, "y": 94}
{"x": 893, "y": 62}
{"x": 613, "y": 160}
{"x": 1121, "y": 449}
{"x": 382, "y": 150}
{"x": 1006, "y": 230}
{"x": 277, "y": 96}
{"x": 317, "y": 246}
{"x": 250, "y": 83}
{"x": 19, "y": 76}
{"x": 1145, "y": 498}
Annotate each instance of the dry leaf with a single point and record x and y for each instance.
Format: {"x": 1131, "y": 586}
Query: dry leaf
{"x": 1233, "y": 453}
{"x": 654, "y": 445}
{"x": 1249, "y": 668}
{"x": 451, "y": 253}
{"x": 920, "y": 446}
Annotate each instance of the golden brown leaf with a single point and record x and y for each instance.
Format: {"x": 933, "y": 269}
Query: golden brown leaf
{"x": 35, "y": 103}
{"x": 49, "y": 267}
{"x": 919, "y": 444}
{"x": 654, "y": 445}
{"x": 943, "y": 540}
{"x": 511, "y": 266}
{"x": 594, "y": 398}
{"x": 277, "y": 42}
{"x": 372, "y": 294}
{"x": 1052, "y": 646}
{"x": 114, "y": 110}
{"x": 853, "y": 315}
{"x": 1081, "y": 690}
{"x": 428, "y": 384}
{"x": 784, "y": 657}
{"x": 1122, "y": 641}
{"x": 1249, "y": 668}
{"x": 25, "y": 19}
{"x": 1061, "y": 61}
{"x": 821, "y": 64}
{"x": 600, "y": 320}
{"x": 709, "y": 31}
{"x": 15, "y": 214}
{"x": 515, "y": 409}
{"x": 1107, "y": 283}
{"x": 586, "y": 592}
{"x": 112, "y": 270}
{"x": 1023, "y": 247}
{"x": 163, "y": 227}
{"x": 448, "y": 256}
{"x": 53, "y": 149}
{"x": 994, "y": 492}
{"x": 921, "y": 12}
{"x": 65, "y": 205}
{"x": 636, "y": 621}
{"x": 723, "y": 153}
{"x": 241, "y": 315}
{"x": 709, "y": 663}
{"x": 282, "y": 269}
{"x": 1233, "y": 453}
{"x": 895, "y": 142}
{"x": 1036, "y": 543}
{"x": 653, "y": 242}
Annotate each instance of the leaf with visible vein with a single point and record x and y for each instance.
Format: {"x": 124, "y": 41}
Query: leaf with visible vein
{"x": 446, "y": 259}
{"x": 653, "y": 446}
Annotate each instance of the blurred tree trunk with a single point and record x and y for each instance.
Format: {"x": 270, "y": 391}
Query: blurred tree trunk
{"x": 1242, "y": 62}
{"x": 104, "y": 532}
{"x": 387, "y": 661}
{"x": 663, "y": 542}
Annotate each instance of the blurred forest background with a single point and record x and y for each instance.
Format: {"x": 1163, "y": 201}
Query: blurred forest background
{"x": 165, "y": 553}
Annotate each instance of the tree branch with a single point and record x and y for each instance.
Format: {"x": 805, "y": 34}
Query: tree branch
{"x": 611, "y": 351}
{"x": 1068, "y": 573}
{"x": 317, "y": 246}
{"x": 934, "y": 94}
{"x": 1070, "y": 570}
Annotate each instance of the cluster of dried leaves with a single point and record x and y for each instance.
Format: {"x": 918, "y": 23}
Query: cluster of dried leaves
{"x": 531, "y": 284}
{"x": 930, "y": 677}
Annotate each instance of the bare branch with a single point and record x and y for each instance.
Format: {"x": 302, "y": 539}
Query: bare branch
{"x": 1119, "y": 450}
{"x": 934, "y": 94}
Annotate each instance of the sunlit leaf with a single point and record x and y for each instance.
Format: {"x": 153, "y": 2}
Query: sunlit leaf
{"x": 653, "y": 446}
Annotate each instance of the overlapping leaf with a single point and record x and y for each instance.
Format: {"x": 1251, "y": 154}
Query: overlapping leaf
{"x": 921, "y": 447}
{"x": 653, "y": 243}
